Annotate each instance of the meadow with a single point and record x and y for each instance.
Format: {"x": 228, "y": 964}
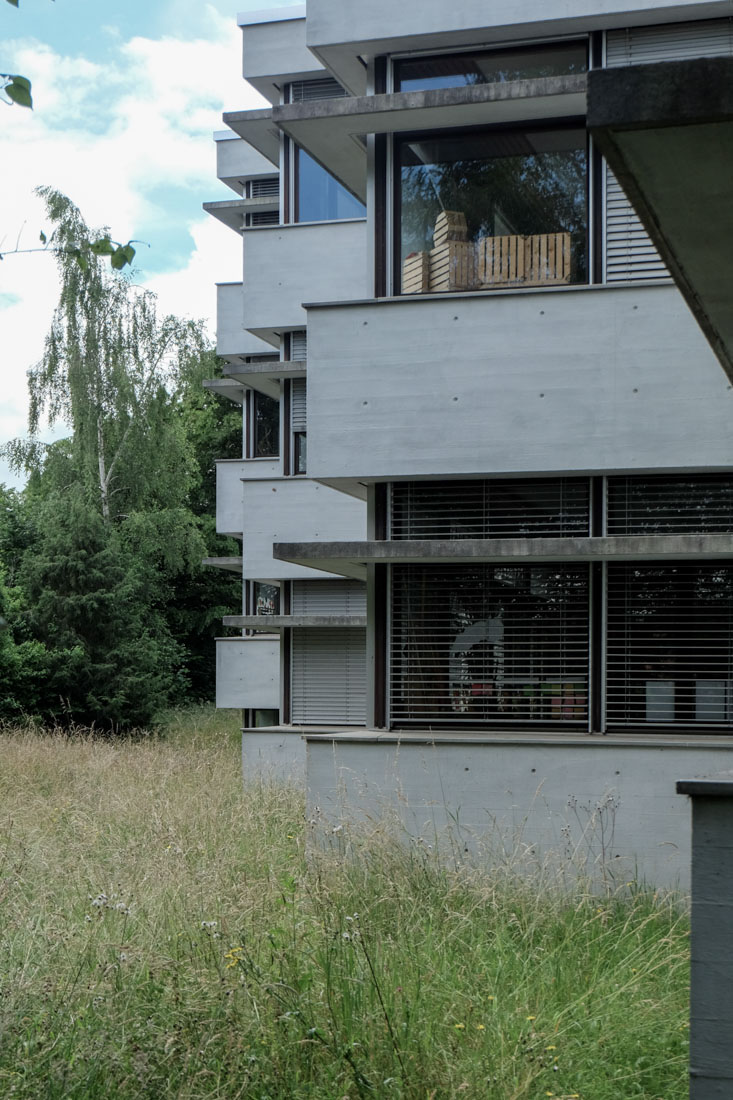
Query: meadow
{"x": 166, "y": 931}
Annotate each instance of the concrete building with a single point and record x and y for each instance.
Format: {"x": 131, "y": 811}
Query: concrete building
{"x": 499, "y": 587}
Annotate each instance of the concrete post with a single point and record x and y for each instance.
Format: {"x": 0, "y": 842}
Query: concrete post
{"x": 711, "y": 978}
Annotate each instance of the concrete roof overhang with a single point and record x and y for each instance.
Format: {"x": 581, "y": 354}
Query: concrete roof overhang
{"x": 333, "y": 131}
{"x": 666, "y": 129}
{"x": 333, "y": 39}
{"x": 258, "y": 130}
{"x": 351, "y": 558}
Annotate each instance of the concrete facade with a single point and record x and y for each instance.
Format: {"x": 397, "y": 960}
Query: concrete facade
{"x": 457, "y": 413}
{"x": 602, "y": 807}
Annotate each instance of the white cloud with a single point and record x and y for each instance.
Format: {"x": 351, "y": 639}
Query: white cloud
{"x": 130, "y": 143}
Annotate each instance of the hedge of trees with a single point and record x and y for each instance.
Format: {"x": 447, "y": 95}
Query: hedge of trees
{"x": 110, "y": 615}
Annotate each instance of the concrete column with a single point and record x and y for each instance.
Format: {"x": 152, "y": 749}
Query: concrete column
{"x": 711, "y": 988}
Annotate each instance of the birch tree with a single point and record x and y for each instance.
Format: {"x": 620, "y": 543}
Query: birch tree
{"x": 107, "y": 372}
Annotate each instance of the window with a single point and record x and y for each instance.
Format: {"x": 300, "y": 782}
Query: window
{"x": 318, "y": 196}
{"x": 265, "y": 598}
{"x": 489, "y": 643}
{"x": 644, "y": 646}
{"x": 485, "y": 209}
{"x": 298, "y": 424}
{"x": 490, "y": 66}
{"x": 264, "y": 422}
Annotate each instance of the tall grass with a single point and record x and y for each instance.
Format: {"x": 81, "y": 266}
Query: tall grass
{"x": 162, "y": 934}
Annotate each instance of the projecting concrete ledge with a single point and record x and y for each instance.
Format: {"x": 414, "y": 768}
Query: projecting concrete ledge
{"x": 719, "y": 785}
{"x": 276, "y": 623}
{"x": 665, "y": 93}
{"x": 341, "y": 556}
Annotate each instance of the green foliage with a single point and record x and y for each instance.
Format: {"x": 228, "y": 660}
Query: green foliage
{"x": 17, "y": 88}
{"x": 103, "y": 549}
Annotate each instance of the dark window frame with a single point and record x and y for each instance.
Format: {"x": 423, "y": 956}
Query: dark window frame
{"x": 592, "y": 206}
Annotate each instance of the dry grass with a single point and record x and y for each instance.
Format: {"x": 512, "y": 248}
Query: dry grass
{"x": 164, "y": 936}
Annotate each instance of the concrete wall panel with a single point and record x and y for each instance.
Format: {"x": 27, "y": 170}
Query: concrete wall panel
{"x": 248, "y": 672}
{"x": 593, "y": 806}
{"x": 286, "y": 509}
{"x": 231, "y": 335}
{"x": 584, "y": 380}
{"x": 287, "y": 265}
{"x": 273, "y": 756}
{"x": 229, "y": 500}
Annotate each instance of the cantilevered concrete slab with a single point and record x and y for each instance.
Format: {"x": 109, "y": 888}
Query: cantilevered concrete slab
{"x": 258, "y": 130}
{"x": 274, "y": 624}
{"x": 333, "y": 130}
{"x": 265, "y": 376}
{"x": 351, "y": 558}
{"x": 667, "y": 132}
{"x": 231, "y": 212}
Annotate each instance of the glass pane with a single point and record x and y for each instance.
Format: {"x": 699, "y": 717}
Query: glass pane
{"x": 321, "y": 198}
{"x": 498, "y": 208}
{"x": 490, "y": 67}
{"x": 300, "y": 452}
{"x": 266, "y": 426}
{"x": 266, "y": 718}
{"x": 266, "y": 598}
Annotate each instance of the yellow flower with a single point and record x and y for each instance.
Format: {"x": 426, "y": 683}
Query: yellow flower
{"x": 480, "y": 1027}
{"x": 492, "y": 998}
{"x": 459, "y": 1027}
{"x": 531, "y": 1017}
{"x": 550, "y": 1048}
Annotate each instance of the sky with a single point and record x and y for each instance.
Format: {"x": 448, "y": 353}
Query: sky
{"x": 127, "y": 95}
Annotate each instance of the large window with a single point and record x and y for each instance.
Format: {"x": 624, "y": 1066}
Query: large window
{"x": 485, "y": 209}
{"x": 489, "y": 643}
{"x": 641, "y": 646}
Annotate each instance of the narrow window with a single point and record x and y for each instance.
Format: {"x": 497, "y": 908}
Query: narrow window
{"x": 265, "y": 414}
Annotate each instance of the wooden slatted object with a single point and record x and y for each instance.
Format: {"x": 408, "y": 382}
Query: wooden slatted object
{"x": 541, "y": 259}
{"x": 450, "y": 225}
{"x": 453, "y": 266}
{"x": 501, "y": 260}
{"x": 547, "y": 259}
{"x": 416, "y": 273}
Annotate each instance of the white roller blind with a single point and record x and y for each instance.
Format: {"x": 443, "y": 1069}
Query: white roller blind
{"x": 328, "y": 678}
{"x": 298, "y": 405}
{"x": 328, "y": 597}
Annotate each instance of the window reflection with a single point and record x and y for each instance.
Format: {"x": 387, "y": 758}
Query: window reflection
{"x": 490, "y": 66}
{"x": 266, "y": 426}
{"x": 496, "y": 208}
{"x": 319, "y": 197}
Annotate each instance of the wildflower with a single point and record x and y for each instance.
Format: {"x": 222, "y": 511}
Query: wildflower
{"x": 480, "y": 1027}
{"x": 531, "y": 1017}
{"x": 459, "y": 1027}
{"x": 491, "y": 998}
{"x": 345, "y": 936}
{"x": 290, "y": 836}
{"x": 208, "y": 924}
{"x": 550, "y": 1048}
{"x": 87, "y": 917}
{"x": 123, "y": 957}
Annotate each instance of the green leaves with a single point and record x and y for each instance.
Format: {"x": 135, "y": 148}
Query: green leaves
{"x": 17, "y": 88}
{"x": 14, "y": 3}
